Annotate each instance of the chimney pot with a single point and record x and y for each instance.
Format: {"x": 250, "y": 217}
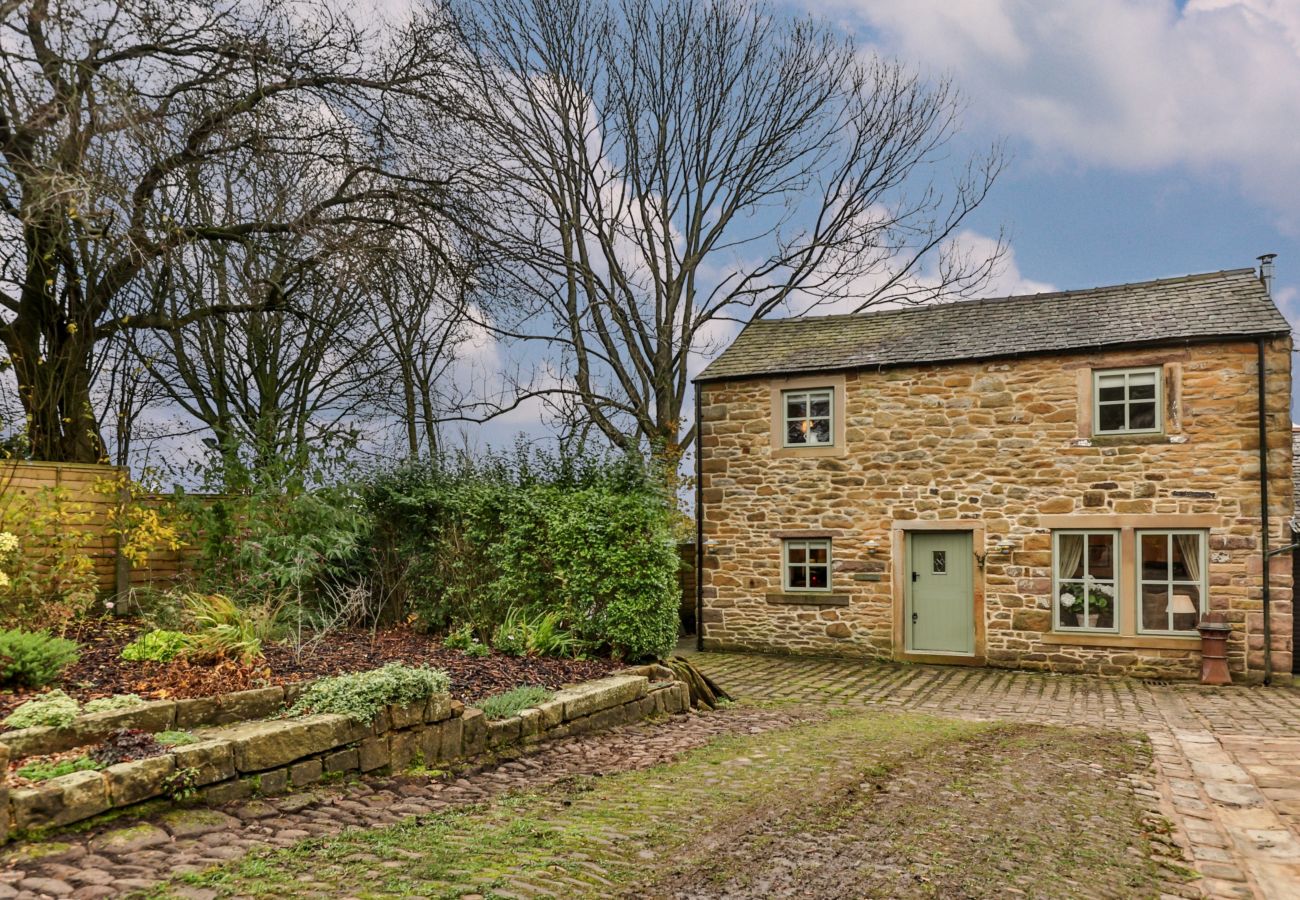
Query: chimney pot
{"x": 1266, "y": 271}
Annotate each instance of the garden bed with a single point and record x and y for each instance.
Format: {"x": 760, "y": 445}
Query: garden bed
{"x": 101, "y": 672}
{"x": 370, "y": 729}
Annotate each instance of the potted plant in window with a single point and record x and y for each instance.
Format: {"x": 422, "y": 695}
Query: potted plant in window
{"x": 1100, "y": 599}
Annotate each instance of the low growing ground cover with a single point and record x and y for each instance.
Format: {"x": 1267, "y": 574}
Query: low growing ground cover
{"x": 101, "y": 672}
{"x": 876, "y": 804}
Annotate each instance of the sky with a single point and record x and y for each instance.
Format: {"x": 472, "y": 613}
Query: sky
{"x": 1148, "y": 138}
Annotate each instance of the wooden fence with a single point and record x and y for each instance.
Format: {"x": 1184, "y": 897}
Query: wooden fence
{"x": 88, "y": 500}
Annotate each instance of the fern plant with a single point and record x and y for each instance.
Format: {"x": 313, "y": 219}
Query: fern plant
{"x": 542, "y": 635}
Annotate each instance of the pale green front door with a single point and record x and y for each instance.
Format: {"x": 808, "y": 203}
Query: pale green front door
{"x": 940, "y": 591}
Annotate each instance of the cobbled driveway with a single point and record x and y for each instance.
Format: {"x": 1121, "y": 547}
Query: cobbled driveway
{"x": 1227, "y": 759}
{"x": 1227, "y": 775}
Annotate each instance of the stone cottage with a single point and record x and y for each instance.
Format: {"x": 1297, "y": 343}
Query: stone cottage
{"x": 1063, "y": 481}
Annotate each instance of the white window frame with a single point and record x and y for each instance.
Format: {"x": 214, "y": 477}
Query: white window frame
{"x": 1171, "y": 582}
{"x": 1126, "y": 403}
{"x": 808, "y": 394}
{"x": 1115, "y": 581}
{"x": 807, "y": 544}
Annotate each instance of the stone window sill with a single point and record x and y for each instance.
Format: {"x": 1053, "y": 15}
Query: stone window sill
{"x": 1127, "y": 641}
{"x": 1125, "y": 440}
{"x": 809, "y": 599}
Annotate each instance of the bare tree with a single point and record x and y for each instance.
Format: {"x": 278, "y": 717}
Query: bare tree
{"x": 664, "y": 166}
{"x": 420, "y": 314}
{"x": 113, "y": 111}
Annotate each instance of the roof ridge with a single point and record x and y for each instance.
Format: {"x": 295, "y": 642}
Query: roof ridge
{"x": 1044, "y": 295}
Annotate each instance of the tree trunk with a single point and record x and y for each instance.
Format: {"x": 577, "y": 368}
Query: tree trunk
{"x": 52, "y": 367}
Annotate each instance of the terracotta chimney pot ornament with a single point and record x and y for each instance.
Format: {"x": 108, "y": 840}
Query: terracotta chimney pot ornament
{"x": 1214, "y": 649}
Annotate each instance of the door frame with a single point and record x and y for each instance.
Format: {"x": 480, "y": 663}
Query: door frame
{"x": 900, "y": 547}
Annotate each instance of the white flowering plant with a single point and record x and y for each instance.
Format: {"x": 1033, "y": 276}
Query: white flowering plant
{"x": 8, "y": 556}
{"x": 1100, "y": 597}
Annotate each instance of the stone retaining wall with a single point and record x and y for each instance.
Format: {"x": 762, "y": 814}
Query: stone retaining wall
{"x": 269, "y": 756}
{"x": 152, "y": 716}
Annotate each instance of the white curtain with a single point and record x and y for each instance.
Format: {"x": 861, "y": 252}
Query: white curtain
{"x": 1190, "y": 546}
{"x": 1069, "y": 553}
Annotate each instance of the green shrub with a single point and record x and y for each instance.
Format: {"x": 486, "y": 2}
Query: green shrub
{"x": 157, "y": 646}
{"x": 503, "y": 706}
{"x": 44, "y": 771}
{"x": 269, "y": 541}
{"x": 540, "y": 635}
{"x": 605, "y": 562}
{"x": 33, "y": 658}
{"x": 175, "y": 738}
{"x": 117, "y": 701}
{"x": 51, "y": 708}
{"x": 361, "y": 695}
{"x": 589, "y": 543}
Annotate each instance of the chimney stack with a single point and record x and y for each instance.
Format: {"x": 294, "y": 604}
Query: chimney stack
{"x": 1266, "y": 271}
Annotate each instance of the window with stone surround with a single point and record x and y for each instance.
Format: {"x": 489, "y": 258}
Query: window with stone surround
{"x": 1127, "y": 401}
{"x": 1171, "y": 581}
{"x": 806, "y": 564}
{"x": 1085, "y": 580}
{"x": 808, "y": 417}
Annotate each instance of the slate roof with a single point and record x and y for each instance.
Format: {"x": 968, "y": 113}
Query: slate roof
{"x": 1192, "y": 308}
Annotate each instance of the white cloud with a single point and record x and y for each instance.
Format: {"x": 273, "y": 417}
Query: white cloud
{"x": 1133, "y": 84}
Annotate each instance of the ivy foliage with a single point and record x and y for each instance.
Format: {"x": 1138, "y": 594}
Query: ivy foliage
{"x": 362, "y": 695}
{"x": 586, "y": 541}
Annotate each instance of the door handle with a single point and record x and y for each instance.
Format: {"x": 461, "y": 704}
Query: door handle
{"x": 914, "y": 618}
{"x": 915, "y": 575}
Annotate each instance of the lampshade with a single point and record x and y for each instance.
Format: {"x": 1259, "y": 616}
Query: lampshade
{"x": 1182, "y": 605}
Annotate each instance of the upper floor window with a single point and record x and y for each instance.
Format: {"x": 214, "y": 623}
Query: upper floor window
{"x": 808, "y": 565}
{"x": 1126, "y": 401}
{"x": 1171, "y": 580}
{"x": 808, "y": 417}
{"x": 1085, "y": 580}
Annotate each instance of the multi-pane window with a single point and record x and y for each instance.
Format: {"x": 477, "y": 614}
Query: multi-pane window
{"x": 1171, "y": 580}
{"x": 1084, "y": 580}
{"x": 1126, "y": 401}
{"x": 808, "y": 417}
{"x": 807, "y": 565}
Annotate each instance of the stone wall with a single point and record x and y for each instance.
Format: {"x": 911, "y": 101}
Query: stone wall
{"x": 1002, "y": 448}
{"x": 270, "y": 756}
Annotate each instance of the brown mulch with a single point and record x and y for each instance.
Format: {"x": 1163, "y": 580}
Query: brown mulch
{"x": 101, "y": 672}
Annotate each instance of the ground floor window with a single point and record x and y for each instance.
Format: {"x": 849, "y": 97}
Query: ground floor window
{"x": 1085, "y": 570}
{"x": 807, "y": 564}
{"x": 1171, "y": 573}
{"x": 1129, "y": 580}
